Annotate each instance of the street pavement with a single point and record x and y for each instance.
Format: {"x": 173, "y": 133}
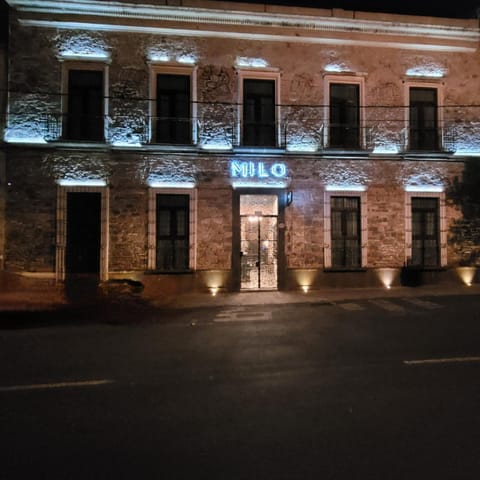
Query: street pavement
{"x": 377, "y": 388}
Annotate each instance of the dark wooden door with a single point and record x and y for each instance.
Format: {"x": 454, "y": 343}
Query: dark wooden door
{"x": 83, "y": 232}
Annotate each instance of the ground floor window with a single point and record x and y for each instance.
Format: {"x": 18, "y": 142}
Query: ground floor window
{"x": 171, "y": 229}
{"x": 425, "y": 232}
{"x": 172, "y": 239}
{"x": 426, "y": 229}
{"x": 345, "y": 228}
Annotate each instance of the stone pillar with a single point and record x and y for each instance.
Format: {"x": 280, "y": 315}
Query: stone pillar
{"x": 3, "y": 194}
{"x": 3, "y": 180}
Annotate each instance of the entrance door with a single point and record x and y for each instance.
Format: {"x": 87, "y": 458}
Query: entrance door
{"x": 83, "y": 232}
{"x": 258, "y": 241}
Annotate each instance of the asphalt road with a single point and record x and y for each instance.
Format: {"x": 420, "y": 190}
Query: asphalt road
{"x": 370, "y": 389}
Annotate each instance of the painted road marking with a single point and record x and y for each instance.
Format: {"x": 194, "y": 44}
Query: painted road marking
{"x": 433, "y": 361}
{"x": 387, "y": 305}
{"x": 241, "y": 314}
{"x": 422, "y": 303}
{"x": 47, "y": 386}
{"x": 350, "y": 306}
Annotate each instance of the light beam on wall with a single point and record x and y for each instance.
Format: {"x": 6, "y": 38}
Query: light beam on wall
{"x": 388, "y": 276}
{"x": 15, "y": 139}
{"x": 251, "y": 62}
{"x": 101, "y": 57}
{"x": 336, "y": 68}
{"x": 466, "y": 274}
{"x": 345, "y": 188}
{"x": 158, "y": 57}
{"x": 82, "y": 182}
{"x": 425, "y": 71}
{"x": 216, "y": 146}
{"x": 302, "y": 147}
{"x": 386, "y": 149}
{"x": 186, "y": 59}
{"x": 161, "y": 184}
{"x": 253, "y": 184}
{"x": 424, "y": 188}
{"x": 126, "y": 144}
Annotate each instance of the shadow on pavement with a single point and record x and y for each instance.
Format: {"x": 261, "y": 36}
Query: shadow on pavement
{"x": 98, "y": 311}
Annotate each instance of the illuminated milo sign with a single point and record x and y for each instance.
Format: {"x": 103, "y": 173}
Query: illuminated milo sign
{"x": 257, "y": 170}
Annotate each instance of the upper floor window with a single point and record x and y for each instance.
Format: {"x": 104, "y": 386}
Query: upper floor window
{"x": 173, "y": 113}
{"x": 344, "y": 115}
{"x": 423, "y": 119}
{"x": 173, "y": 104}
{"x": 85, "y": 105}
{"x": 259, "y": 115}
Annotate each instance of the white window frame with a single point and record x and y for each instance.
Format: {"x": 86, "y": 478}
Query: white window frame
{"x": 94, "y": 65}
{"x": 61, "y": 236}
{"x": 354, "y": 79}
{"x": 152, "y": 224}
{"x": 163, "y": 69}
{"x": 443, "y": 234}
{"x": 327, "y": 231}
{"x": 253, "y": 74}
{"x": 427, "y": 83}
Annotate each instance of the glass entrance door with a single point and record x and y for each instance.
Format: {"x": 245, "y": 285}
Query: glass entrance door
{"x": 258, "y": 241}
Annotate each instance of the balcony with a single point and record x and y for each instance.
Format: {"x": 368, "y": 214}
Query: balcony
{"x": 216, "y": 126}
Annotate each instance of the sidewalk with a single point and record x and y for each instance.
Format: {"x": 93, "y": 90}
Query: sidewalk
{"x": 45, "y": 300}
{"x": 331, "y": 295}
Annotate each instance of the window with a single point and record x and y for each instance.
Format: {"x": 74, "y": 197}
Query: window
{"x": 259, "y": 125}
{"x": 345, "y": 231}
{"x": 423, "y": 111}
{"x": 85, "y": 105}
{"x": 172, "y": 232}
{"x": 344, "y": 114}
{"x": 425, "y": 232}
{"x": 173, "y": 122}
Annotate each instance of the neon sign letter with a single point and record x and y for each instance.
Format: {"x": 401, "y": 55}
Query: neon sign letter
{"x": 257, "y": 170}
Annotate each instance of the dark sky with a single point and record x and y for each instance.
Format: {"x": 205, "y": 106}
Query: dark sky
{"x": 435, "y": 8}
{"x": 3, "y": 21}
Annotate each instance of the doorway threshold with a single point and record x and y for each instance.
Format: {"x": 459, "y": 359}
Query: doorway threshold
{"x": 253, "y": 290}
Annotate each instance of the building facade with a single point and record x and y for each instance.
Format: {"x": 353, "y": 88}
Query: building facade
{"x": 219, "y": 146}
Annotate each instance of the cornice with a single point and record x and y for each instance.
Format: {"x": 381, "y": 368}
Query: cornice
{"x": 236, "y": 18}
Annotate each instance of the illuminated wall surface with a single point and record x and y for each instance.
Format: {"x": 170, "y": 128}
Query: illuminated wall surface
{"x": 218, "y": 48}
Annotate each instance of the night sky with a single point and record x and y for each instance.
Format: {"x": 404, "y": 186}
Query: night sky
{"x": 3, "y": 21}
{"x": 436, "y": 8}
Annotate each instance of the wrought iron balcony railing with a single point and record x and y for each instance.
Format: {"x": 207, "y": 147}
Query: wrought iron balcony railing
{"x": 219, "y": 126}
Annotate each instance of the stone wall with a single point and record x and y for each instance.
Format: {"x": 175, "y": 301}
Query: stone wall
{"x": 214, "y": 228}
{"x": 304, "y": 226}
{"x": 30, "y": 214}
{"x": 31, "y": 205}
{"x": 302, "y": 70}
{"x": 36, "y": 74}
{"x": 386, "y": 226}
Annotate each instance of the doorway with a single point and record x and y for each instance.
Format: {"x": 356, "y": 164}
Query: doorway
{"x": 82, "y": 253}
{"x": 258, "y": 242}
